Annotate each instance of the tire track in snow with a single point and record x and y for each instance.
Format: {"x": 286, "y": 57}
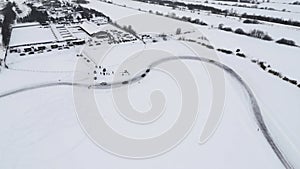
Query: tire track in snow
{"x": 253, "y": 102}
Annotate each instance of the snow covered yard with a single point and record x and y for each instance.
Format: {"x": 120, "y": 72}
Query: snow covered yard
{"x": 27, "y": 34}
{"x": 44, "y": 129}
{"x": 48, "y": 123}
{"x": 257, "y": 11}
{"x": 276, "y": 31}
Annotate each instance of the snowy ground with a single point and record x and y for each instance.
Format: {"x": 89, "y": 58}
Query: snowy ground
{"x": 276, "y": 31}
{"x": 52, "y": 137}
{"x": 293, "y": 14}
{"x": 31, "y": 35}
{"x": 260, "y": 1}
{"x": 43, "y": 130}
{"x": 246, "y": 44}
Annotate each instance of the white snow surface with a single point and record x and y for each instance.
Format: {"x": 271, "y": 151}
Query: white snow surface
{"x": 31, "y": 34}
{"x": 40, "y": 129}
{"x": 43, "y": 130}
{"x": 90, "y": 27}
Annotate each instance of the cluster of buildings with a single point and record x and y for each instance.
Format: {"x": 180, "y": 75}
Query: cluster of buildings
{"x": 69, "y": 25}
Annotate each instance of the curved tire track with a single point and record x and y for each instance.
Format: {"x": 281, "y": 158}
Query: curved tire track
{"x": 254, "y": 104}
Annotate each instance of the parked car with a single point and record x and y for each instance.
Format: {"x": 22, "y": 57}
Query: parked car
{"x": 13, "y": 50}
{"x": 54, "y": 46}
{"x": 27, "y": 49}
{"x": 41, "y": 47}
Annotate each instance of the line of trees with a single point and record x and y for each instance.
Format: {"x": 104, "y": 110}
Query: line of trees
{"x": 81, "y": 1}
{"x": 258, "y": 34}
{"x": 35, "y": 16}
{"x": 175, "y": 4}
{"x": 255, "y": 33}
{"x": 127, "y": 29}
{"x": 214, "y": 10}
{"x": 295, "y": 3}
{"x": 271, "y": 19}
{"x": 266, "y": 67}
{"x": 41, "y": 16}
{"x": 286, "y": 42}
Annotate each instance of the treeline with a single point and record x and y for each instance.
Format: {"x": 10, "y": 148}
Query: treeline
{"x": 243, "y": 1}
{"x": 81, "y": 1}
{"x": 176, "y": 4}
{"x": 255, "y": 33}
{"x": 271, "y": 19}
{"x": 263, "y": 65}
{"x": 128, "y": 29}
{"x": 9, "y": 18}
{"x": 295, "y": 3}
{"x": 87, "y": 13}
{"x": 266, "y": 67}
{"x": 42, "y": 17}
{"x": 35, "y": 16}
{"x": 183, "y": 18}
{"x": 221, "y": 12}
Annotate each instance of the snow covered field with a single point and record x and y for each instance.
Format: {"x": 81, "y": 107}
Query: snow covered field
{"x": 276, "y": 31}
{"x": 293, "y": 14}
{"x": 276, "y": 14}
{"x": 52, "y": 136}
{"x": 244, "y": 43}
{"x": 30, "y": 35}
{"x": 40, "y": 127}
{"x": 260, "y": 1}
{"x": 108, "y": 9}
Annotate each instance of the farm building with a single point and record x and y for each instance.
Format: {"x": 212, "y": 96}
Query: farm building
{"x": 90, "y": 28}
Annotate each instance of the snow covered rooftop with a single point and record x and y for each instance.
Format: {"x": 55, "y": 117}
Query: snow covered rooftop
{"x": 26, "y": 24}
{"x": 26, "y": 34}
{"x": 90, "y": 27}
